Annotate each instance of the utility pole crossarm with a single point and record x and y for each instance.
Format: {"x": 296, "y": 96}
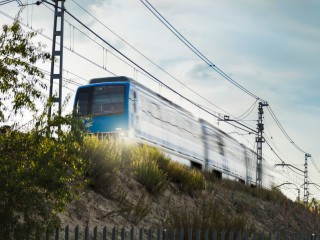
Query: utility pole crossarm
{"x": 288, "y": 165}
{"x": 227, "y": 119}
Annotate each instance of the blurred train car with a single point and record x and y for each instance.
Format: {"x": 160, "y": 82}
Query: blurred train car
{"x": 122, "y": 107}
{"x": 223, "y": 154}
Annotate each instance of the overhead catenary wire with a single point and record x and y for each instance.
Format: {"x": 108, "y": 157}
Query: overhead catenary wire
{"x": 283, "y": 130}
{"x": 137, "y": 65}
{"x": 92, "y": 62}
{"x": 274, "y": 145}
{"x": 158, "y": 15}
{"x": 155, "y": 12}
{"x": 274, "y": 152}
{"x": 64, "y": 78}
{"x": 315, "y": 165}
{"x": 148, "y": 59}
{"x": 210, "y": 112}
{"x": 6, "y": 1}
{"x": 248, "y": 112}
{"x": 50, "y": 39}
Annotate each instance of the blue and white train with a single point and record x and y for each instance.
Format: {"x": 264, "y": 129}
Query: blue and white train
{"x": 122, "y": 106}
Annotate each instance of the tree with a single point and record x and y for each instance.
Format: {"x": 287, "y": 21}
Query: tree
{"x": 20, "y": 85}
{"x": 40, "y": 170}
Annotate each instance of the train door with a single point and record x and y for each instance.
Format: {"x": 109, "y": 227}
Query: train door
{"x": 134, "y": 115}
{"x": 221, "y": 149}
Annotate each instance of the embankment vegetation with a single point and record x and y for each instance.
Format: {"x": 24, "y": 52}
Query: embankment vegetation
{"x": 149, "y": 189}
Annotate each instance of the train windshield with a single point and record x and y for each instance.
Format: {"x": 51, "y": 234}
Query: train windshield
{"x": 101, "y": 100}
{"x": 108, "y": 100}
{"x": 82, "y": 102}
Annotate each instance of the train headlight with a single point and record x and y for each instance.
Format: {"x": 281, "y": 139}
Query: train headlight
{"x": 120, "y": 133}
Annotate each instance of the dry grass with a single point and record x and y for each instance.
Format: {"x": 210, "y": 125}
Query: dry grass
{"x": 106, "y": 157}
{"x": 146, "y": 169}
{"x": 188, "y": 179}
{"x": 207, "y": 213}
{"x": 207, "y": 203}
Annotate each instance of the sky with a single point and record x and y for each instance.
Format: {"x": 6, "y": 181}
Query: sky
{"x": 271, "y": 48}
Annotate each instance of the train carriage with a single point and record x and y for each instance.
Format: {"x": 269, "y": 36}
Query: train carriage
{"x": 122, "y": 107}
{"x": 223, "y": 154}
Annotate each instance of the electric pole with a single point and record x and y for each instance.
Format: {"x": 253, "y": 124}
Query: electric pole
{"x": 57, "y": 54}
{"x": 259, "y": 140}
{"x": 306, "y": 184}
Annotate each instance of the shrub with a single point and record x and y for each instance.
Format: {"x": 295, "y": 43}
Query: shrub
{"x": 39, "y": 175}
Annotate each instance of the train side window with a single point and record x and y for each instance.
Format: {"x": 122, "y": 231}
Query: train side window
{"x": 135, "y": 101}
{"x": 221, "y": 145}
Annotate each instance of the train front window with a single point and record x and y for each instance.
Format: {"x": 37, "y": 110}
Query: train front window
{"x": 82, "y": 102}
{"x": 108, "y": 100}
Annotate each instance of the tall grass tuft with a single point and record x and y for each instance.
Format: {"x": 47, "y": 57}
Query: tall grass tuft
{"x": 105, "y": 157}
{"x": 145, "y": 163}
{"x": 206, "y": 214}
{"x": 273, "y": 195}
{"x": 188, "y": 179}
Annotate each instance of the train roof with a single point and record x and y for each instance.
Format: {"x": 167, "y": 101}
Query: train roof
{"x": 111, "y": 79}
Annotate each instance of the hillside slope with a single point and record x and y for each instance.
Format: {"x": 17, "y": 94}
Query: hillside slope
{"x": 140, "y": 187}
{"x": 231, "y": 207}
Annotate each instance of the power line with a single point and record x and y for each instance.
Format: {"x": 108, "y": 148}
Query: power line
{"x": 248, "y": 112}
{"x": 87, "y": 59}
{"x": 274, "y": 152}
{"x": 135, "y": 64}
{"x": 210, "y": 112}
{"x": 48, "y": 38}
{"x": 64, "y": 78}
{"x": 315, "y": 165}
{"x": 275, "y": 145}
{"x": 6, "y": 1}
{"x": 155, "y": 64}
{"x": 162, "y": 19}
{"x": 283, "y": 130}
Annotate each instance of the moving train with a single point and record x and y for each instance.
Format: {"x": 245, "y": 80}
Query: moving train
{"x": 123, "y": 107}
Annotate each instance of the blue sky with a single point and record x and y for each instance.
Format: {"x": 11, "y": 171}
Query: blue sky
{"x": 272, "y": 48}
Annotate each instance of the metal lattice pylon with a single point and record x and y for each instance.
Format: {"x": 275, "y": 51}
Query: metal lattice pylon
{"x": 57, "y": 54}
{"x": 259, "y": 140}
{"x": 306, "y": 182}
